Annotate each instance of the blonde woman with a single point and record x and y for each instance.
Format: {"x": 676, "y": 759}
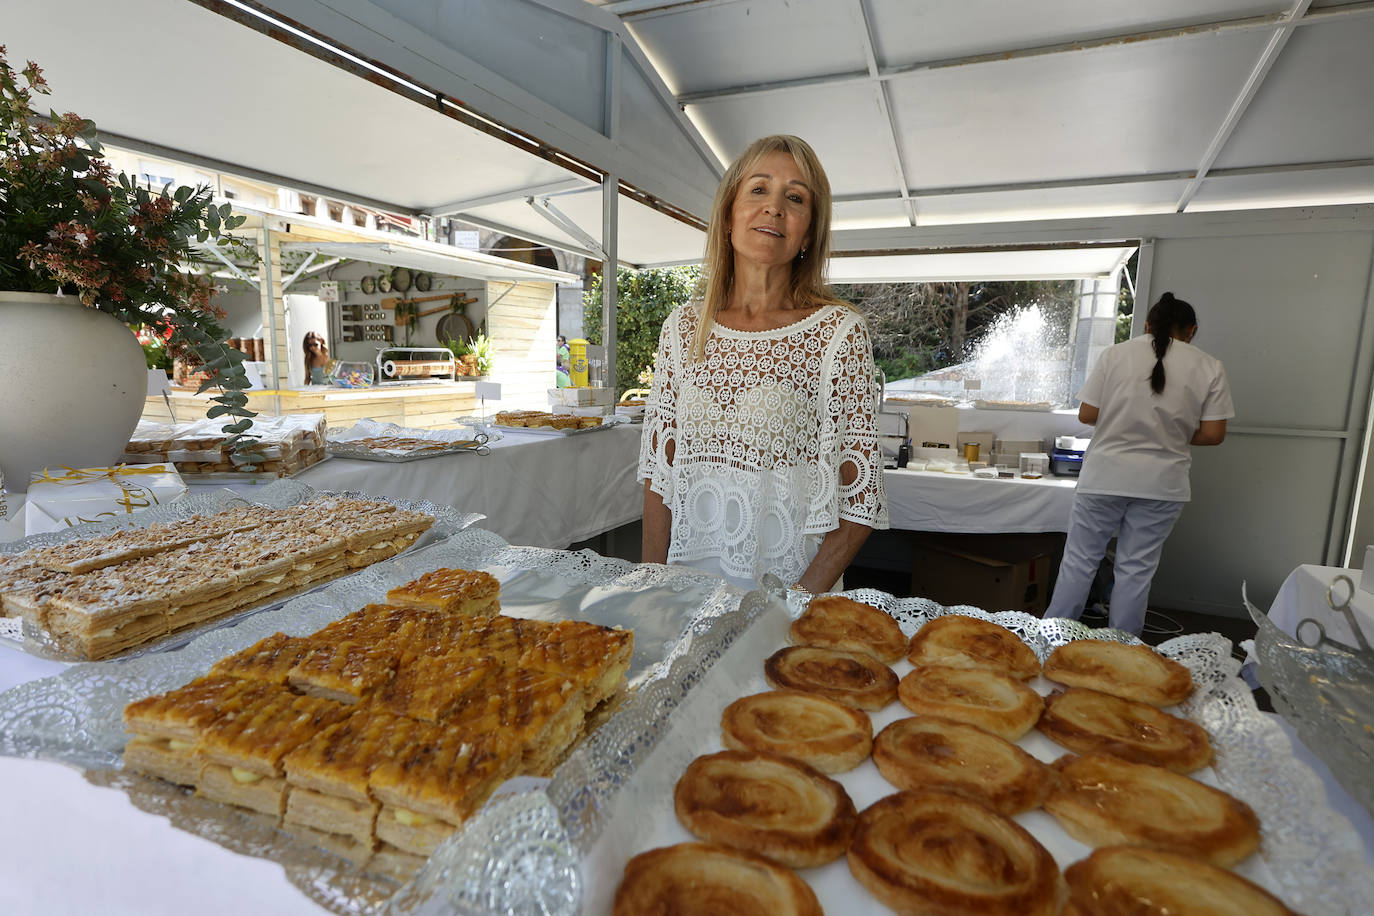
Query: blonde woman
{"x": 760, "y": 449}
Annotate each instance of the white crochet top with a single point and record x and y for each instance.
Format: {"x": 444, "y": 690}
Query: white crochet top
{"x": 760, "y": 430}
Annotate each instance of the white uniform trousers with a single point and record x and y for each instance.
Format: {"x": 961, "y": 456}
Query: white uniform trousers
{"x": 1141, "y": 526}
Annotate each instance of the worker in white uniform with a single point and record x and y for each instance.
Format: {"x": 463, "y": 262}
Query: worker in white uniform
{"x": 1150, "y": 398}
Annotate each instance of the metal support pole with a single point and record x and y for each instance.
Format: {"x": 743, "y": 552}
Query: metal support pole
{"x": 271, "y": 311}
{"x": 610, "y": 244}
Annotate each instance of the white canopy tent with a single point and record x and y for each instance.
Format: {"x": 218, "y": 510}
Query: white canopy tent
{"x": 1231, "y": 139}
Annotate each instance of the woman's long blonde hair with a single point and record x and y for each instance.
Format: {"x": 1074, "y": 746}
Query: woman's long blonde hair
{"x": 808, "y": 288}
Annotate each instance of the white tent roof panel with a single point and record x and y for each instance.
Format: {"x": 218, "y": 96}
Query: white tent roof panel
{"x": 1315, "y": 105}
{"x": 264, "y": 105}
{"x": 869, "y": 214}
{"x": 751, "y": 42}
{"x": 442, "y": 259}
{"x": 1123, "y": 110}
{"x": 842, "y": 123}
{"x": 646, "y": 236}
{"x": 1046, "y": 264}
{"x": 561, "y": 59}
{"x": 1304, "y": 188}
{"x": 941, "y": 29}
{"x": 1125, "y": 199}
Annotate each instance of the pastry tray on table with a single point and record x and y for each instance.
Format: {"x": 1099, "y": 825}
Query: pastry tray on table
{"x": 75, "y": 717}
{"x": 614, "y": 797}
{"x": 347, "y": 443}
{"x": 550, "y": 432}
{"x": 279, "y": 494}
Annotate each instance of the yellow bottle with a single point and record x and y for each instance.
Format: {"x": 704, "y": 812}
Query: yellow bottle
{"x": 577, "y": 362}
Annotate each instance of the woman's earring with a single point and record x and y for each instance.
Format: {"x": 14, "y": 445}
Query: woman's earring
{"x": 801, "y": 256}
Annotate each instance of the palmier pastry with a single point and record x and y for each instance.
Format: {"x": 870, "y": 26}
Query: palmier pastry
{"x": 957, "y": 641}
{"x": 701, "y": 879}
{"x": 1097, "y": 723}
{"x": 780, "y": 809}
{"x": 837, "y": 622}
{"x": 995, "y": 702}
{"x": 1132, "y": 881}
{"x": 830, "y": 736}
{"x": 855, "y": 678}
{"x": 1106, "y": 801}
{"x": 942, "y": 855}
{"x": 1134, "y": 672}
{"x": 944, "y": 756}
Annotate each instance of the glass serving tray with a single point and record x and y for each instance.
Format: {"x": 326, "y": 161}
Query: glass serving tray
{"x": 278, "y": 494}
{"x": 75, "y": 717}
{"x": 564, "y": 848}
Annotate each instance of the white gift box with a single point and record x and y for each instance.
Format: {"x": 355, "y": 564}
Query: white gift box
{"x": 63, "y": 497}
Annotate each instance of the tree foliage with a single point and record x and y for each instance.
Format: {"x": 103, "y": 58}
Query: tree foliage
{"x": 919, "y": 327}
{"x": 644, "y": 299}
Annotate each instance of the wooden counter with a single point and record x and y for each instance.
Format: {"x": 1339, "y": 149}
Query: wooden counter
{"x": 422, "y": 406}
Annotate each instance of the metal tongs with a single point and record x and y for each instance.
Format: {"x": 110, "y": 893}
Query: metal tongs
{"x": 1317, "y": 637}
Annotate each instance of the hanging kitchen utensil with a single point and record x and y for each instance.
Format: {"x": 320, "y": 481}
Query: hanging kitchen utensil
{"x": 400, "y": 279}
{"x": 384, "y": 283}
{"x": 368, "y": 284}
{"x": 423, "y": 282}
{"x": 453, "y": 326}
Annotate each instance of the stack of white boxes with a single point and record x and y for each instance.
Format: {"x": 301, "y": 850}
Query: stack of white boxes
{"x": 582, "y": 402}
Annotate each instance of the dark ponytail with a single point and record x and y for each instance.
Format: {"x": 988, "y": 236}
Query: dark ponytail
{"x": 1165, "y": 317}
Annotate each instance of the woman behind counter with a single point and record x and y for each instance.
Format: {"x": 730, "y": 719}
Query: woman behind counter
{"x": 760, "y": 450}
{"x": 1150, "y": 398}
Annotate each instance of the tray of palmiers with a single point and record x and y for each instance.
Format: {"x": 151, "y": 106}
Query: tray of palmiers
{"x": 354, "y": 731}
{"x": 873, "y": 755}
{"x": 99, "y": 591}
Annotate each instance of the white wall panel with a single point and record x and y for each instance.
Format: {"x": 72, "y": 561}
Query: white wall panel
{"x": 1283, "y": 313}
{"x": 1261, "y": 506}
{"x": 1286, "y": 314}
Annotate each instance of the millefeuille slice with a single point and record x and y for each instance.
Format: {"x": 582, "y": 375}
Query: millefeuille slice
{"x": 327, "y": 776}
{"x": 593, "y": 657}
{"x": 452, "y": 591}
{"x": 166, "y": 728}
{"x": 436, "y": 783}
{"x": 98, "y": 614}
{"x": 241, "y": 754}
{"x": 429, "y": 688}
{"x": 268, "y": 660}
{"x": 25, "y": 588}
{"x": 540, "y": 712}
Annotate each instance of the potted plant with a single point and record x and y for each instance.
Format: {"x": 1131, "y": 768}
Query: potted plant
{"x": 86, "y": 256}
{"x": 479, "y": 348}
{"x": 461, "y": 351}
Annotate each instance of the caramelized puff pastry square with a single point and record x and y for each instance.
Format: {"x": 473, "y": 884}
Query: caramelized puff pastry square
{"x": 453, "y": 591}
{"x": 436, "y": 783}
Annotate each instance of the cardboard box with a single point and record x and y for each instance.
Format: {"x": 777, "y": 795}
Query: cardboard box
{"x": 933, "y": 427}
{"x": 995, "y": 572}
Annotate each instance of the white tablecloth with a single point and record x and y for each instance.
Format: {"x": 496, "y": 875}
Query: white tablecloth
{"x": 962, "y": 504}
{"x": 70, "y": 847}
{"x": 1303, "y": 595}
{"x": 540, "y": 492}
